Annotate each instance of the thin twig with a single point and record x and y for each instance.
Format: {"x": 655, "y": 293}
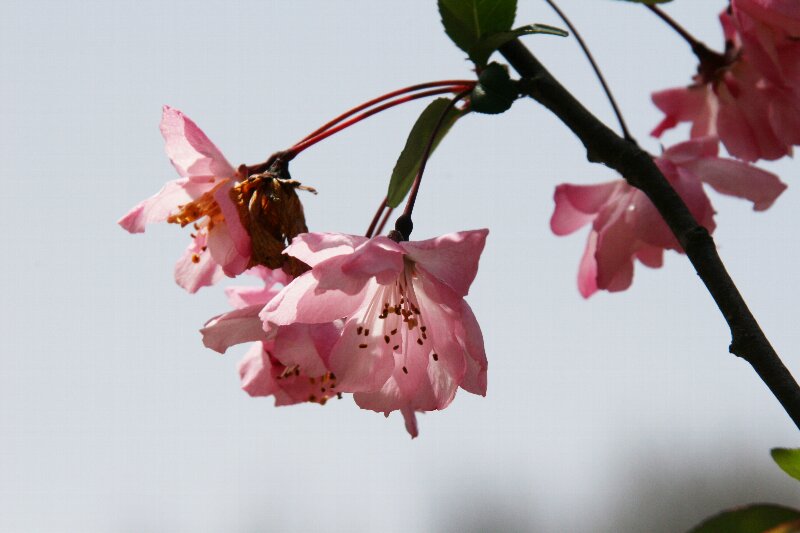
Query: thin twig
{"x": 596, "y": 69}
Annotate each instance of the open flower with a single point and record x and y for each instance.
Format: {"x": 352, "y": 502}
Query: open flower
{"x": 626, "y": 225}
{"x": 749, "y": 96}
{"x": 409, "y": 339}
{"x": 201, "y": 197}
{"x": 264, "y": 370}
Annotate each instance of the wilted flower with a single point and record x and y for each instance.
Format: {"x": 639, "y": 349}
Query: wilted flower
{"x": 409, "y": 339}
{"x": 626, "y": 225}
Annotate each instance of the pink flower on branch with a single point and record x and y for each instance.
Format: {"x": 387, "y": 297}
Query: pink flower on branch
{"x": 270, "y": 366}
{"x": 750, "y": 96}
{"x": 201, "y": 197}
{"x": 409, "y": 339}
{"x": 626, "y": 225}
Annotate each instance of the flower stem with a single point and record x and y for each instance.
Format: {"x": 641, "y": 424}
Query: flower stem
{"x": 376, "y": 218}
{"x": 379, "y": 99}
{"x": 596, "y": 69}
{"x": 292, "y": 152}
{"x": 405, "y": 218}
{"x": 703, "y": 52}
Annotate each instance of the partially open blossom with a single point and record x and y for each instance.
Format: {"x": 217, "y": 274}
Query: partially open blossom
{"x": 626, "y": 225}
{"x": 409, "y": 339}
{"x": 750, "y": 96}
{"x": 264, "y": 371}
{"x": 201, "y": 197}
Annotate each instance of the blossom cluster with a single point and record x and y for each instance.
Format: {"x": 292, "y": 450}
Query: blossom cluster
{"x": 334, "y": 314}
{"x": 747, "y": 99}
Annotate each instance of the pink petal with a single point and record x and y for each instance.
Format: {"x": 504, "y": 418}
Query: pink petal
{"x": 238, "y": 233}
{"x": 300, "y": 301}
{"x": 577, "y": 205}
{"x": 196, "y": 268}
{"x": 234, "y": 327}
{"x": 379, "y": 257}
{"x": 360, "y": 365}
{"x": 224, "y": 252}
{"x": 468, "y": 333}
{"x": 686, "y": 104}
{"x": 452, "y": 258}
{"x": 736, "y": 178}
{"x": 587, "y": 270}
{"x": 692, "y": 149}
{"x": 306, "y": 345}
{"x": 255, "y": 371}
{"x": 190, "y": 151}
{"x": 161, "y": 205}
{"x": 411, "y": 422}
{"x": 313, "y": 248}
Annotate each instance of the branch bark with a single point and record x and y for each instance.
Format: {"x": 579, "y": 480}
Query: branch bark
{"x": 637, "y": 166}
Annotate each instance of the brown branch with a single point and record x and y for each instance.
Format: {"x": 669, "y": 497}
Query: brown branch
{"x": 637, "y": 166}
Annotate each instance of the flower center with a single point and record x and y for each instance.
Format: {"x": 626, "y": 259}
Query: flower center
{"x": 399, "y": 323}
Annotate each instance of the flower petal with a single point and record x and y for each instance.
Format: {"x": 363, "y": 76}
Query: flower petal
{"x": 190, "y": 151}
{"x": 452, "y": 258}
{"x": 196, "y": 268}
{"x": 577, "y": 205}
{"x": 234, "y": 327}
{"x": 736, "y": 178}
{"x": 313, "y": 248}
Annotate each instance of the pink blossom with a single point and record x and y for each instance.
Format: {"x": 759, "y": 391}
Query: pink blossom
{"x": 749, "y": 96}
{"x": 270, "y": 366}
{"x": 626, "y": 225}
{"x": 220, "y": 243}
{"x": 409, "y": 339}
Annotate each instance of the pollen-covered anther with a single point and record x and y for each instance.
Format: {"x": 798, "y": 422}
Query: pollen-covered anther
{"x": 435, "y": 356}
{"x": 204, "y": 206}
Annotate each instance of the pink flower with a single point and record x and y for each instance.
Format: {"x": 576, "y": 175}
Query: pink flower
{"x": 220, "y": 243}
{"x": 749, "y": 97}
{"x": 409, "y": 339}
{"x": 264, "y": 370}
{"x": 626, "y": 225}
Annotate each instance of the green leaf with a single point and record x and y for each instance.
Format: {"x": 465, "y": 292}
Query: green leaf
{"x": 788, "y": 460}
{"x": 480, "y": 52}
{"x": 495, "y": 90}
{"x": 405, "y": 170}
{"x": 467, "y": 21}
{"x": 756, "y": 518}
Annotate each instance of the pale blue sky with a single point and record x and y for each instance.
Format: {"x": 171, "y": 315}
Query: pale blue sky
{"x": 621, "y": 413}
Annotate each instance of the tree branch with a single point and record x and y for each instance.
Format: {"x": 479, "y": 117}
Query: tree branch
{"x": 637, "y": 166}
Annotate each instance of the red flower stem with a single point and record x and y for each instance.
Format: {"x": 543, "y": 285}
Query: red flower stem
{"x": 376, "y": 218}
{"x": 379, "y": 99}
{"x": 383, "y": 222}
{"x": 292, "y": 152}
{"x": 703, "y": 53}
{"x": 596, "y": 69}
{"x": 412, "y": 197}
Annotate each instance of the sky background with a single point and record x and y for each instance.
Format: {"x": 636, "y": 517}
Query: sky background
{"x": 621, "y": 413}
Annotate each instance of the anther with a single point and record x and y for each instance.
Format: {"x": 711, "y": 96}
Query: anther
{"x": 362, "y": 345}
{"x": 386, "y": 338}
{"x": 419, "y": 341}
{"x": 195, "y": 258}
{"x": 405, "y": 370}
{"x": 359, "y": 329}
{"x": 396, "y": 347}
{"x": 394, "y": 332}
{"x": 366, "y": 332}
{"x": 339, "y": 395}
{"x": 435, "y": 357}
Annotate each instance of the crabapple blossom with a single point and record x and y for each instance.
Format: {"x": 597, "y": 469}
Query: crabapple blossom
{"x": 626, "y": 225}
{"x": 202, "y": 197}
{"x": 264, "y": 370}
{"x": 750, "y": 96}
{"x": 409, "y": 339}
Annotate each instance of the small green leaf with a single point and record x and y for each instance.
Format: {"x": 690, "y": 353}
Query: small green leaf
{"x": 495, "y": 91}
{"x": 405, "y": 170}
{"x": 788, "y": 460}
{"x": 757, "y": 518}
{"x": 481, "y": 51}
{"x": 467, "y": 21}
